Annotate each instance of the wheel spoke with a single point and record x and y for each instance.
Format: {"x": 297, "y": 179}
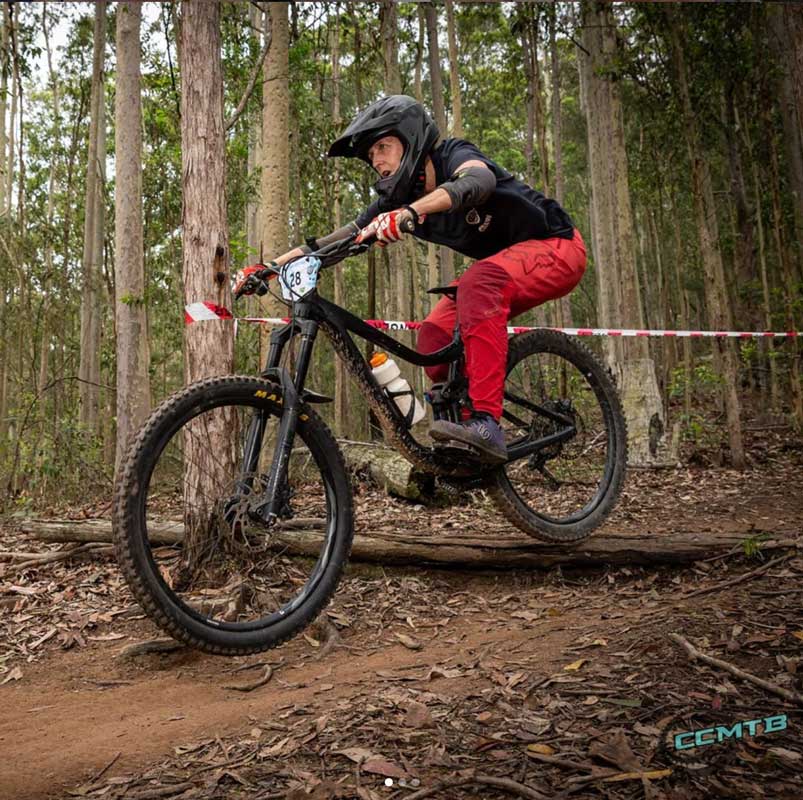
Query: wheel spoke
{"x": 228, "y": 569}
{"x": 564, "y": 438}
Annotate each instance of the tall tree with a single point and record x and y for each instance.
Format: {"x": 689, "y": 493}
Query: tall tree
{"x": 341, "y": 385}
{"x": 454, "y": 75}
{"x": 208, "y": 346}
{"x": 564, "y": 306}
{"x": 786, "y": 40}
{"x": 92, "y": 260}
{"x": 133, "y": 380}
{"x": 275, "y": 182}
{"x": 447, "y": 274}
{"x": 4, "y": 62}
{"x": 44, "y": 338}
{"x": 614, "y": 237}
{"x": 716, "y": 291}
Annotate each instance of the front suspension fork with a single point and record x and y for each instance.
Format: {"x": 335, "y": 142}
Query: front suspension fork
{"x": 273, "y": 497}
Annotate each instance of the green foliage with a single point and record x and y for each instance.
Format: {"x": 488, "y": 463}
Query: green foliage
{"x": 725, "y": 45}
{"x": 702, "y": 381}
{"x": 752, "y": 544}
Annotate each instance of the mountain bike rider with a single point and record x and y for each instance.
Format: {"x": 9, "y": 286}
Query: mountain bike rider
{"x": 526, "y": 247}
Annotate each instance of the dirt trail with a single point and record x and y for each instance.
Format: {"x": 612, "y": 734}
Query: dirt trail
{"x": 56, "y": 731}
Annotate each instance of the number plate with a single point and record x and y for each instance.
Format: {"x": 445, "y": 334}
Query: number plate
{"x": 299, "y": 278}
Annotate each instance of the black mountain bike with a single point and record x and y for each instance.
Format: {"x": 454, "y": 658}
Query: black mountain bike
{"x": 233, "y": 515}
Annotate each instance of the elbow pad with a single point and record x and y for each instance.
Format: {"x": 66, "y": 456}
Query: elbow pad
{"x": 471, "y": 187}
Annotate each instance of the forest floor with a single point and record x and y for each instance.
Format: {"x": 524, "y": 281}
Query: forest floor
{"x": 422, "y": 682}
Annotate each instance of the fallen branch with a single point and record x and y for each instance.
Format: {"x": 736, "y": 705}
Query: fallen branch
{"x": 249, "y": 687}
{"x": 505, "y": 784}
{"x": 739, "y": 579}
{"x": 8, "y": 555}
{"x": 61, "y": 555}
{"x": 558, "y": 761}
{"x": 161, "y": 791}
{"x": 694, "y": 653}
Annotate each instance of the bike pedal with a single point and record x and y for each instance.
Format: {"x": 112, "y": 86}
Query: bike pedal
{"x": 458, "y": 450}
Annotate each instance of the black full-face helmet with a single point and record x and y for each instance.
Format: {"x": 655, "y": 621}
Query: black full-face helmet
{"x": 395, "y": 115}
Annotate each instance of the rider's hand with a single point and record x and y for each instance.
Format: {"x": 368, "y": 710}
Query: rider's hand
{"x": 249, "y": 281}
{"x": 388, "y": 227}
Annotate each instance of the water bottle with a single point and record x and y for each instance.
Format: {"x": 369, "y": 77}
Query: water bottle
{"x": 388, "y": 376}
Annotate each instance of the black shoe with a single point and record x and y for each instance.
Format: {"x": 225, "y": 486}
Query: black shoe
{"x": 481, "y": 433}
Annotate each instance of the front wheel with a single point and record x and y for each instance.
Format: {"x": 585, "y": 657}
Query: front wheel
{"x": 559, "y": 394}
{"x": 189, "y": 522}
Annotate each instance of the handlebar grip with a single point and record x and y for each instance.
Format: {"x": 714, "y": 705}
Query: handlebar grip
{"x": 408, "y": 226}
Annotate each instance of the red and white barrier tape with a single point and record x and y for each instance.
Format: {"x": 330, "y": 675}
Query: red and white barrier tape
{"x": 197, "y": 312}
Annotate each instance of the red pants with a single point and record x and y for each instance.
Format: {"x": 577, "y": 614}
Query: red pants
{"x": 492, "y": 291}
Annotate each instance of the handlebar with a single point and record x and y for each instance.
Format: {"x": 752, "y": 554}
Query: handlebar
{"x": 329, "y": 255}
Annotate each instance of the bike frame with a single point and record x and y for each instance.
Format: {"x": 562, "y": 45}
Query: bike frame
{"x": 312, "y": 313}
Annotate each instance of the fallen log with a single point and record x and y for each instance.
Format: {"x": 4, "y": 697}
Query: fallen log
{"x": 480, "y": 549}
{"x": 390, "y": 471}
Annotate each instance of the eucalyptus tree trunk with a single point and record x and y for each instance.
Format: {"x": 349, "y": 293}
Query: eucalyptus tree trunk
{"x": 789, "y": 294}
{"x": 529, "y": 97}
{"x": 432, "y": 250}
{"x": 252, "y": 208}
{"x": 769, "y": 344}
{"x": 208, "y": 346}
{"x": 447, "y": 273}
{"x": 341, "y": 384}
{"x": 4, "y": 61}
{"x": 786, "y": 39}
{"x": 614, "y": 239}
{"x": 133, "y": 380}
{"x": 454, "y": 75}
{"x": 44, "y": 331}
{"x": 716, "y": 291}
{"x": 563, "y": 304}
{"x": 397, "y": 294}
{"x": 92, "y": 260}
{"x": 8, "y": 156}
{"x": 275, "y": 181}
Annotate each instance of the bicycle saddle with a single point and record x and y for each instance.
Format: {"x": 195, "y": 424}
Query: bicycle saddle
{"x": 449, "y": 291}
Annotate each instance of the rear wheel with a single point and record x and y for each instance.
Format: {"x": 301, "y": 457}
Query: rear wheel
{"x": 558, "y": 392}
{"x": 189, "y": 535}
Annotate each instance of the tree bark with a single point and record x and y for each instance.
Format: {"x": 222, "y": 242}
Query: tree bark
{"x": 275, "y": 184}
{"x": 789, "y": 294}
{"x": 9, "y": 156}
{"x": 564, "y": 304}
{"x": 208, "y": 346}
{"x": 252, "y": 208}
{"x": 89, "y": 368}
{"x": 3, "y": 92}
{"x": 447, "y": 274}
{"x": 614, "y": 240}
{"x": 492, "y": 545}
{"x": 44, "y": 332}
{"x": 454, "y": 76}
{"x": 341, "y": 384}
{"x": 786, "y": 34}
{"x": 708, "y": 230}
{"x": 133, "y": 379}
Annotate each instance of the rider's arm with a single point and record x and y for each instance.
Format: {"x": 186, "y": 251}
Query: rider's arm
{"x": 316, "y": 244}
{"x": 471, "y": 185}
